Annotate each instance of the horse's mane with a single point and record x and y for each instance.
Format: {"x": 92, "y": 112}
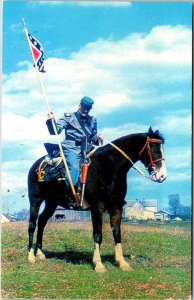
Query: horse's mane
{"x": 150, "y": 133}
{"x": 127, "y": 138}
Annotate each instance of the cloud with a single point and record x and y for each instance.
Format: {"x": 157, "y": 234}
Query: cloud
{"x": 178, "y": 158}
{"x": 44, "y": 2}
{"x": 14, "y": 175}
{"x": 114, "y": 73}
{"x": 59, "y": 2}
{"x": 14, "y": 185}
{"x": 179, "y": 176}
{"x": 89, "y": 3}
{"x": 21, "y": 129}
{"x": 112, "y": 133}
{"x": 16, "y": 28}
{"x": 163, "y": 46}
{"x": 178, "y": 122}
{"x": 25, "y": 131}
{"x": 138, "y": 183}
{"x": 104, "y": 3}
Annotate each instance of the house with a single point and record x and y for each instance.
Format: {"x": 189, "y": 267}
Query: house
{"x": 162, "y": 215}
{"x": 140, "y": 209}
{"x": 59, "y": 213}
{"x": 70, "y": 215}
{"x": 12, "y": 218}
{"x": 4, "y": 219}
{"x": 177, "y": 219}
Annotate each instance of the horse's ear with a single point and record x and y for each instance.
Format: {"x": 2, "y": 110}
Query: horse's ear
{"x": 150, "y": 131}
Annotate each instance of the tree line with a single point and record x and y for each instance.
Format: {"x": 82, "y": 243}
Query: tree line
{"x": 177, "y": 209}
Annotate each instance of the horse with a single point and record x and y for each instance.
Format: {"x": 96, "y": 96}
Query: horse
{"x": 105, "y": 190}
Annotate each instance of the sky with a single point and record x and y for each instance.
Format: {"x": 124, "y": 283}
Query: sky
{"x": 133, "y": 58}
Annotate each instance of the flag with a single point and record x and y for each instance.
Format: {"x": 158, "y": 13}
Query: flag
{"x": 38, "y": 53}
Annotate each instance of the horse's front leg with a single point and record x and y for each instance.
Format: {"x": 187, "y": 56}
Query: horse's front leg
{"x": 97, "y": 218}
{"x": 115, "y": 221}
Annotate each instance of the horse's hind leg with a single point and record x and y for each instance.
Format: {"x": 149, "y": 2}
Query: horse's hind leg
{"x": 42, "y": 221}
{"x": 115, "y": 221}
{"x": 34, "y": 209}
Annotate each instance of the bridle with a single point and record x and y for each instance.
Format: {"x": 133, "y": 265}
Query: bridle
{"x": 147, "y": 146}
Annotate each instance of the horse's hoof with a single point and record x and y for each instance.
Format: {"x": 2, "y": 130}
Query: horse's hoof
{"x": 125, "y": 267}
{"x": 31, "y": 256}
{"x": 100, "y": 268}
{"x": 40, "y": 255}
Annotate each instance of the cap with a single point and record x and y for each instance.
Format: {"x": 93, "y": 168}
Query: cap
{"x": 87, "y": 101}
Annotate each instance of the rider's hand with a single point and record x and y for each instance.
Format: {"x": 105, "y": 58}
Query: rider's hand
{"x": 101, "y": 139}
{"x": 51, "y": 116}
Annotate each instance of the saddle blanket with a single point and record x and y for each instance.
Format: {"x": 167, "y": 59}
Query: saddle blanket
{"x": 51, "y": 168}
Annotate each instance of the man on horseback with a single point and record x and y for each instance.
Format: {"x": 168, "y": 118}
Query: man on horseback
{"x": 80, "y": 135}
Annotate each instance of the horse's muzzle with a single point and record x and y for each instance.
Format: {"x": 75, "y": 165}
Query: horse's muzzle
{"x": 154, "y": 177}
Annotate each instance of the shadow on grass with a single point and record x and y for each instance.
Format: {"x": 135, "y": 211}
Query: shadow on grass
{"x": 70, "y": 256}
{"x": 75, "y": 257}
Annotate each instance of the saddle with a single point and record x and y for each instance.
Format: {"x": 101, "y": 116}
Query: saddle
{"x": 54, "y": 168}
{"x": 52, "y": 165}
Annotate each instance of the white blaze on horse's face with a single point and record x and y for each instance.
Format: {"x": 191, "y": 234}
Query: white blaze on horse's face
{"x": 159, "y": 173}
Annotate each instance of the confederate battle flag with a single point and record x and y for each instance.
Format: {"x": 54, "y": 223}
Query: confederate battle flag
{"x": 38, "y": 52}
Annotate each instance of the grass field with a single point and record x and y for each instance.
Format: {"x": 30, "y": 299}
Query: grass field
{"x": 160, "y": 256}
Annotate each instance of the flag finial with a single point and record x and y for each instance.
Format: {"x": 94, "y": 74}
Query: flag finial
{"x": 23, "y": 22}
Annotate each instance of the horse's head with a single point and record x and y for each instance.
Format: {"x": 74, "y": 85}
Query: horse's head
{"x": 152, "y": 156}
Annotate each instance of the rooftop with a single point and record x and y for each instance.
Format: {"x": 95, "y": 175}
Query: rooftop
{"x": 144, "y": 203}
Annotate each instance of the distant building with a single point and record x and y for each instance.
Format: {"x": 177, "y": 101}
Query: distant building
{"x": 177, "y": 219}
{"x": 59, "y": 213}
{"x": 70, "y": 215}
{"x": 12, "y": 218}
{"x": 4, "y": 219}
{"x": 163, "y": 215}
{"x": 140, "y": 209}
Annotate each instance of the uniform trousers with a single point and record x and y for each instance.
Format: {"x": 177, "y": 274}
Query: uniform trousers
{"x": 73, "y": 161}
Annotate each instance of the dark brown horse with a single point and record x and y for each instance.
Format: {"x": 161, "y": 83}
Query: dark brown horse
{"x": 105, "y": 190}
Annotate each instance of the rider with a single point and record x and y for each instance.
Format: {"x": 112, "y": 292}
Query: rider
{"x": 79, "y": 127}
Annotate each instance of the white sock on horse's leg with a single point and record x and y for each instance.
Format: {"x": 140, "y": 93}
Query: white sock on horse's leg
{"x": 40, "y": 255}
{"x": 31, "y": 256}
{"x": 99, "y": 267}
{"x": 120, "y": 259}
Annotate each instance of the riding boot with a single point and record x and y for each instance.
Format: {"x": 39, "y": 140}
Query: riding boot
{"x": 71, "y": 200}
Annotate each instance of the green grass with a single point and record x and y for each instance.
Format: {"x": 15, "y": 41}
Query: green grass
{"x": 160, "y": 257}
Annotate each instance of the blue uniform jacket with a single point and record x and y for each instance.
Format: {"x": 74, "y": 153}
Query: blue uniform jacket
{"x": 73, "y": 130}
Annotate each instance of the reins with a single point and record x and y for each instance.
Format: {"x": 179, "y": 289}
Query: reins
{"x": 122, "y": 152}
{"x": 147, "y": 144}
{"x": 128, "y": 158}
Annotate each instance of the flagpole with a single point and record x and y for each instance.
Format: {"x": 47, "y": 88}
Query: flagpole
{"x": 36, "y": 68}
{"x": 49, "y": 111}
